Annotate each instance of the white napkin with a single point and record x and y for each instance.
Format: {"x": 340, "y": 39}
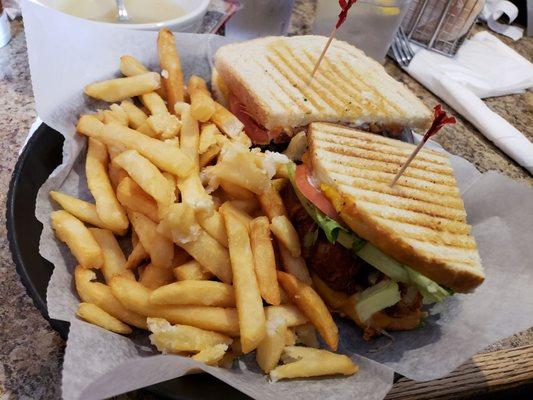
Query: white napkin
{"x": 493, "y": 10}
{"x": 483, "y": 67}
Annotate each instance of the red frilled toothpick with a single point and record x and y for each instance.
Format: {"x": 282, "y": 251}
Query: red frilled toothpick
{"x": 439, "y": 120}
{"x": 345, "y": 7}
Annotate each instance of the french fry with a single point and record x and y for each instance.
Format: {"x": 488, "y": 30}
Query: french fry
{"x": 292, "y": 314}
{"x": 284, "y": 298}
{"x": 209, "y": 155}
{"x": 166, "y": 126}
{"x": 165, "y": 157}
{"x": 235, "y": 191}
{"x": 154, "y": 277}
{"x": 122, "y": 88}
{"x": 154, "y": 103}
{"x": 130, "y": 66}
{"x": 226, "y": 121}
{"x": 180, "y": 256}
{"x": 196, "y": 293}
{"x": 334, "y": 299}
{"x": 136, "y": 257}
{"x": 271, "y": 203}
{"x": 146, "y": 129}
{"x": 194, "y": 194}
{"x": 279, "y": 184}
{"x": 245, "y": 206}
{"x": 114, "y": 260}
{"x": 247, "y": 295}
{"x": 170, "y": 67}
{"x": 135, "y": 297}
{"x": 116, "y": 174}
{"x": 264, "y": 260}
{"x": 182, "y": 338}
{"x": 310, "y": 303}
{"x": 179, "y": 224}
{"x": 269, "y": 350}
{"x": 147, "y": 176}
{"x": 208, "y": 137}
{"x": 192, "y": 270}
{"x": 294, "y": 265}
{"x": 160, "y": 249}
{"x": 306, "y": 335}
{"x": 214, "y": 225}
{"x": 84, "y": 211}
{"x": 286, "y": 234}
{"x": 161, "y": 121}
{"x": 305, "y": 362}
{"x": 96, "y": 316}
{"x": 190, "y": 135}
{"x": 290, "y": 338}
{"x": 212, "y": 355}
{"x": 243, "y": 217}
{"x": 240, "y": 170}
{"x": 107, "y": 206}
{"x": 78, "y": 238}
{"x": 211, "y": 255}
{"x": 136, "y": 116}
{"x": 134, "y": 198}
{"x": 100, "y": 295}
{"x": 115, "y": 115}
{"x": 202, "y": 105}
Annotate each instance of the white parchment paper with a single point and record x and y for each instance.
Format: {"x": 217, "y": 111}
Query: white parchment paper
{"x": 66, "y": 53}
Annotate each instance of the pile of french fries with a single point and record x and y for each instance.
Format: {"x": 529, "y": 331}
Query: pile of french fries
{"x": 171, "y": 168}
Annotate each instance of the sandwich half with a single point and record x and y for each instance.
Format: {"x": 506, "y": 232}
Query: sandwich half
{"x": 267, "y": 83}
{"x": 386, "y": 250}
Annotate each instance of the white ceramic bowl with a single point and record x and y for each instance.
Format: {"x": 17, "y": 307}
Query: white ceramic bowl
{"x": 190, "y": 22}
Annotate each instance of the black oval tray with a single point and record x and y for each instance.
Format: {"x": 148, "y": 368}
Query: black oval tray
{"x": 42, "y": 154}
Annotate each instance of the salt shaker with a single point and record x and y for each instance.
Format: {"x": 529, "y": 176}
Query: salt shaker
{"x": 5, "y": 31}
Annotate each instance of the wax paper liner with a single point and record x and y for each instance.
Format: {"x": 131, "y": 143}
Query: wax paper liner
{"x": 66, "y": 53}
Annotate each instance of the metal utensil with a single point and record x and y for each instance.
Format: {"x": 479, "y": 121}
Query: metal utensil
{"x": 122, "y": 12}
{"x": 400, "y": 49}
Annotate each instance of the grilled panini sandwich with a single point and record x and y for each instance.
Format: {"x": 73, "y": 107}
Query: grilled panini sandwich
{"x": 267, "y": 84}
{"x": 387, "y": 248}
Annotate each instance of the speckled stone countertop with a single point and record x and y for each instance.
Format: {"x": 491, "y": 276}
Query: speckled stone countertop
{"x": 30, "y": 351}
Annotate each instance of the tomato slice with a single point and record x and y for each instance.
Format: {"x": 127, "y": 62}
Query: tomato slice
{"x": 258, "y": 134}
{"x": 306, "y": 187}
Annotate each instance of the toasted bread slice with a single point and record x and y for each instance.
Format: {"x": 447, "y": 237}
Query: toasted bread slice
{"x": 272, "y": 77}
{"x": 421, "y": 221}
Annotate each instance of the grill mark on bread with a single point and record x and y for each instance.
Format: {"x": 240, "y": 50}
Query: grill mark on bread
{"x": 350, "y": 96}
{"x": 319, "y": 90}
{"x": 448, "y": 253}
{"x": 370, "y": 71}
{"x": 428, "y": 235}
{"x": 383, "y": 102}
{"x": 368, "y": 145}
{"x": 453, "y": 202}
{"x": 404, "y": 203}
{"x": 397, "y": 214}
{"x": 317, "y": 101}
{"x": 386, "y": 177}
{"x": 349, "y": 102}
{"x": 382, "y": 166}
{"x": 288, "y": 92}
{"x": 338, "y": 130}
{"x": 391, "y": 159}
